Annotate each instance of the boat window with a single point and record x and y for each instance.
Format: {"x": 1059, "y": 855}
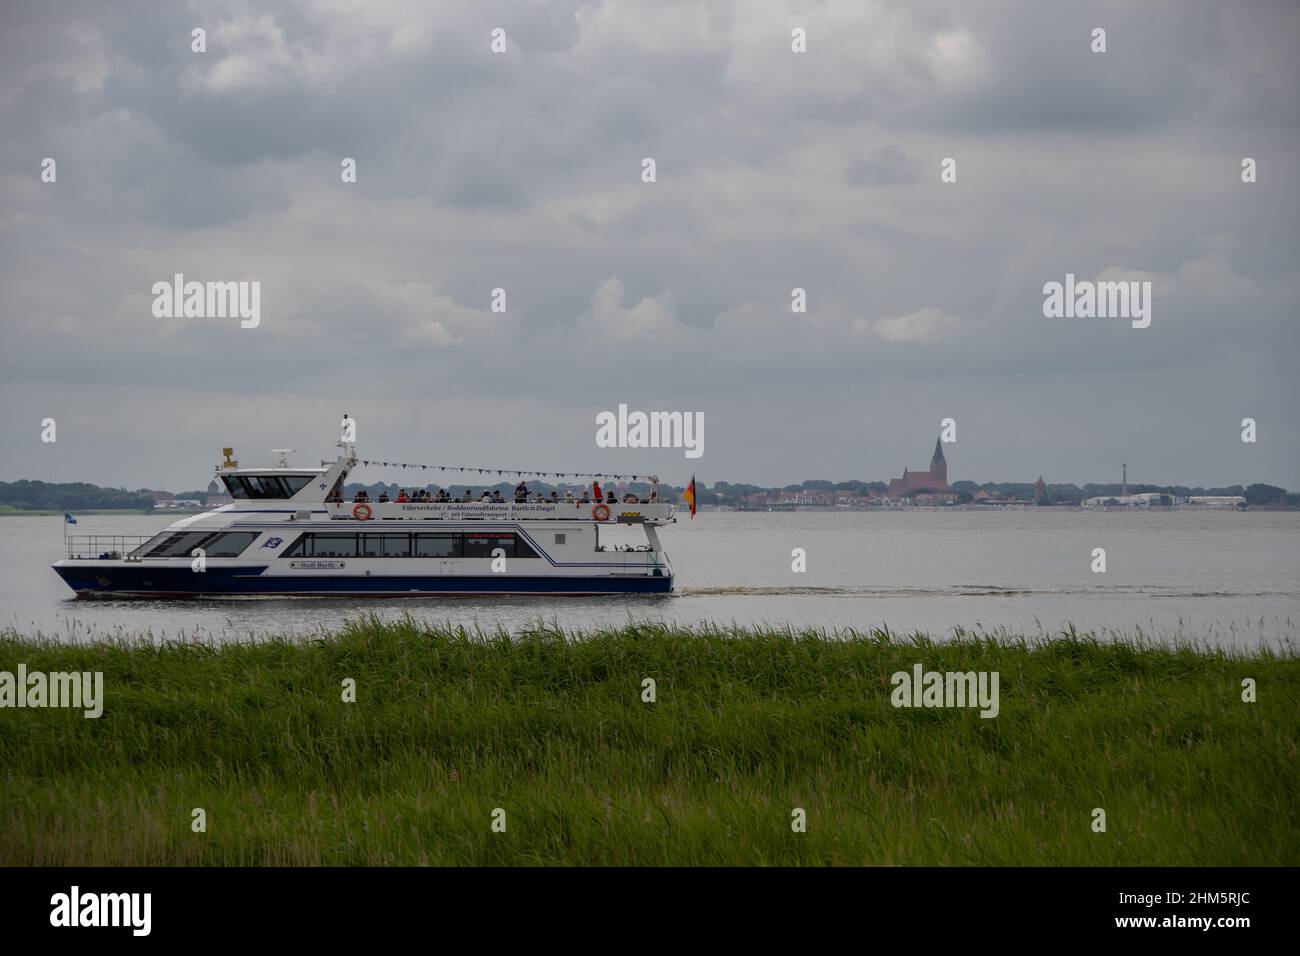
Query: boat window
{"x": 523, "y": 549}
{"x": 173, "y": 544}
{"x": 482, "y": 545}
{"x": 230, "y": 544}
{"x": 333, "y": 545}
{"x": 265, "y": 486}
{"x": 385, "y": 546}
{"x": 397, "y": 545}
{"x": 435, "y": 545}
{"x": 149, "y": 545}
{"x": 298, "y": 549}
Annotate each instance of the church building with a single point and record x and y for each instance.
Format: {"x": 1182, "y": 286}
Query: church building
{"x": 934, "y": 480}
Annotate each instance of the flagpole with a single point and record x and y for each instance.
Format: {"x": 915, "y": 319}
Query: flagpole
{"x": 682, "y": 496}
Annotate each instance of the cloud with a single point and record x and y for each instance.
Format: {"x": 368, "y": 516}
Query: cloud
{"x": 925, "y": 325}
{"x": 650, "y": 319}
{"x": 886, "y": 166}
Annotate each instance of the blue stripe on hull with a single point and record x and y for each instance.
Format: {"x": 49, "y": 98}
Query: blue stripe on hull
{"x": 160, "y": 582}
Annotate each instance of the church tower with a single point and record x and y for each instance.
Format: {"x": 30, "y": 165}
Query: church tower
{"x": 938, "y": 466}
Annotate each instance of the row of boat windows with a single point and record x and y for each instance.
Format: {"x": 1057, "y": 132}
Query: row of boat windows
{"x": 230, "y": 544}
{"x": 265, "y": 486}
{"x": 412, "y": 545}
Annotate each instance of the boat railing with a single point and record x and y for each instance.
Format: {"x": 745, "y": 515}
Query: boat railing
{"x": 617, "y": 513}
{"x": 103, "y": 547}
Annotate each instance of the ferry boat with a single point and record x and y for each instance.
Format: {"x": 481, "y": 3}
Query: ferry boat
{"x": 288, "y": 532}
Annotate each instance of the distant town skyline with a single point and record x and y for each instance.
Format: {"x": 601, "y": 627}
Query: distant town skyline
{"x": 890, "y": 487}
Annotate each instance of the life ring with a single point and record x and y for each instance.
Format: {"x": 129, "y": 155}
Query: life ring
{"x": 362, "y": 512}
{"x": 600, "y": 512}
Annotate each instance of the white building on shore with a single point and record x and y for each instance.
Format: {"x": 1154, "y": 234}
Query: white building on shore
{"x": 1160, "y": 499}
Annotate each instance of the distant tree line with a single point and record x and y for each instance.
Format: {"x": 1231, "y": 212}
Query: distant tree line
{"x": 193, "y": 495}
{"x": 1256, "y": 494}
{"x": 724, "y": 492}
{"x": 69, "y": 496}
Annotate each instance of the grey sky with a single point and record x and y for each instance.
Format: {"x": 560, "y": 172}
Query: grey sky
{"x": 775, "y": 170}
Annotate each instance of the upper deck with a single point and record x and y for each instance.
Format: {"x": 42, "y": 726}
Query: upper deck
{"x": 653, "y": 513}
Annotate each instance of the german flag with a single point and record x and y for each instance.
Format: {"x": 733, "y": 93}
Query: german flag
{"x": 689, "y": 495}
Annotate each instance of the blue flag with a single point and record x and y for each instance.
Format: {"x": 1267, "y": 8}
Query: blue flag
{"x": 68, "y": 519}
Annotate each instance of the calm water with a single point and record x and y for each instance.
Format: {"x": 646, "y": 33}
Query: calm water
{"x": 1225, "y": 577}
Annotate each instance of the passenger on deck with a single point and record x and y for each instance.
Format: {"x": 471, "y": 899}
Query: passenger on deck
{"x": 403, "y": 496}
{"x": 361, "y": 496}
{"x": 596, "y": 493}
{"x": 496, "y": 497}
{"x": 612, "y": 499}
{"x": 383, "y": 496}
{"x": 521, "y": 492}
{"x": 568, "y": 494}
{"x": 443, "y": 495}
{"x": 486, "y": 497}
{"x": 334, "y": 496}
{"x": 631, "y": 499}
{"x": 555, "y": 497}
{"x": 585, "y": 499}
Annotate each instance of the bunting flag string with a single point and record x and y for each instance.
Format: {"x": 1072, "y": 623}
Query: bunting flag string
{"x": 502, "y": 472}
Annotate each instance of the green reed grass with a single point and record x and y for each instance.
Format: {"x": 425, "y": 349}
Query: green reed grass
{"x": 749, "y": 724}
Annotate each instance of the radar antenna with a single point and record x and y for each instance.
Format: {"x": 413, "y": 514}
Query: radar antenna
{"x": 348, "y": 437}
